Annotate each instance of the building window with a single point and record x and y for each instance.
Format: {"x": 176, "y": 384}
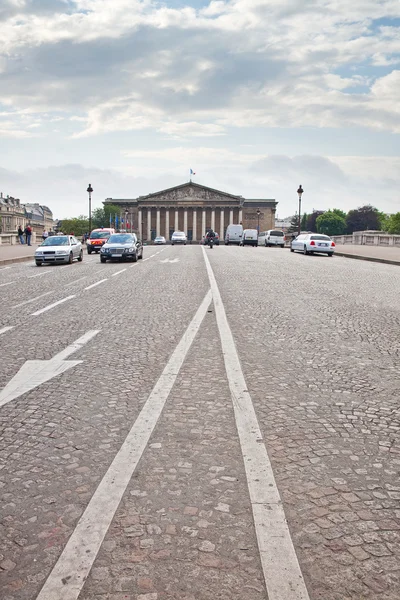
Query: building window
{"x": 190, "y": 234}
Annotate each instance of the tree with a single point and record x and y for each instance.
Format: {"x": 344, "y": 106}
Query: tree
{"x": 102, "y": 217}
{"x": 294, "y": 224}
{"x": 331, "y": 223}
{"x": 311, "y": 220}
{"x": 394, "y": 224}
{"x": 339, "y": 212}
{"x": 304, "y": 222}
{"x": 78, "y": 225}
{"x": 363, "y": 218}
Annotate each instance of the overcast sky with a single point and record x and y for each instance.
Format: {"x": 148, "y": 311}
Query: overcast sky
{"x": 256, "y": 96}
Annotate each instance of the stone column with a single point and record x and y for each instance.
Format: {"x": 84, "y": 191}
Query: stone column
{"x": 140, "y": 228}
{"x": 185, "y": 221}
{"x": 194, "y": 226}
{"x": 167, "y": 224}
{"x": 240, "y": 215}
{"x": 158, "y": 222}
{"x": 222, "y": 225}
{"x": 176, "y": 220}
{"x": 203, "y": 223}
{"x": 213, "y": 219}
{"x": 231, "y": 216}
{"x": 149, "y": 224}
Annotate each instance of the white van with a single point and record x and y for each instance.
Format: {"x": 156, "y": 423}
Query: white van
{"x": 249, "y": 238}
{"x": 272, "y": 237}
{"x": 233, "y": 234}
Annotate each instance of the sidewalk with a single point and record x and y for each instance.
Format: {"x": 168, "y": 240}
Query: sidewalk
{"x": 18, "y": 253}
{"x": 389, "y": 255}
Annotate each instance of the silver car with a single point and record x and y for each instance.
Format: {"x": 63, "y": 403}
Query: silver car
{"x": 178, "y": 237}
{"x": 59, "y": 249}
{"x": 160, "y": 240}
{"x": 121, "y": 246}
{"x": 310, "y": 243}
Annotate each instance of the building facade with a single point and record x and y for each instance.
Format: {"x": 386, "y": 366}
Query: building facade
{"x": 12, "y": 214}
{"x": 39, "y": 217}
{"x": 194, "y": 209}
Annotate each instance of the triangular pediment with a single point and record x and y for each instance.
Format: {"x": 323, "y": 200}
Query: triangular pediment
{"x": 189, "y": 192}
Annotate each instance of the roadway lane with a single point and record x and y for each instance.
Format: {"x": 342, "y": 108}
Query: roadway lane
{"x": 318, "y": 345}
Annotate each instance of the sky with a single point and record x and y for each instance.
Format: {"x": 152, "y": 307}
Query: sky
{"x": 256, "y": 96}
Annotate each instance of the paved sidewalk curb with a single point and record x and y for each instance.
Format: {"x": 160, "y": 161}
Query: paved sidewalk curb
{"x": 370, "y": 258}
{"x": 7, "y": 261}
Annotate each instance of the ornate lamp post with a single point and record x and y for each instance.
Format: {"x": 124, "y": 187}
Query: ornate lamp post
{"x": 258, "y": 220}
{"x": 300, "y": 193}
{"x": 89, "y": 191}
{"x": 126, "y": 220}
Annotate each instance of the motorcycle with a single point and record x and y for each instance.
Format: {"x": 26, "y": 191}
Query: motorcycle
{"x": 211, "y": 243}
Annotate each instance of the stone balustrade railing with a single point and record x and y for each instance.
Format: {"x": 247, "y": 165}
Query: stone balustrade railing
{"x": 364, "y": 238}
{"x": 11, "y": 239}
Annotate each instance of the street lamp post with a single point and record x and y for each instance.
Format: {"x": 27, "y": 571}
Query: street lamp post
{"x": 89, "y": 191}
{"x": 258, "y": 220}
{"x": 126, "y": 221}
{"x": 300, "y": 193}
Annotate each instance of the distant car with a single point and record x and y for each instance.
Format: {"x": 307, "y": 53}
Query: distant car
{"x": 121, "y": 246}
{"x": 233, "y": 234}
{"x": 178, "y": 237}
{"x": 249, "y": 238}
{"x": 310, "y": 243}
{"x": 59, "y": 249}
{"x": 272, "y": 237}
{"x": 216, "y": 239}
{"x": 97, "y": 238}
{"x": 160, "y": 240}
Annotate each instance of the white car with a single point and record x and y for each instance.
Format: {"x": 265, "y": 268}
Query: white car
{"x": 178, "y": 237}
{"x": 58, "y": 249}
{"x": 160, "y": 240}
{"x": 310, "y": 243}
{"x": 272, "y": 237}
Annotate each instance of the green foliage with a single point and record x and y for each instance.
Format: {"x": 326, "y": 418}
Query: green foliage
{"x": 78, "y": 225}
{"x": 101, "y": 216}
{"x": 363, "y": 218}
{"x": 304, "y": 221}
{"x": 294, "y": 224}
{"x": 339, "y": 212}
{"x": 311, "y": 224}
{"x": 394, "y": 224}
{"x": 331, "y": 223}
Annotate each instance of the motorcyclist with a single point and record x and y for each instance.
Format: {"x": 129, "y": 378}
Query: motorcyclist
{"x": 210, "y": 236}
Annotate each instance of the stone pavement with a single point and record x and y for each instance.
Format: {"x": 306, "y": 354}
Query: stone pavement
{"x": 373, "y": 253}
{"x": 17, "y": 253}
{"x": 321, "y": 363}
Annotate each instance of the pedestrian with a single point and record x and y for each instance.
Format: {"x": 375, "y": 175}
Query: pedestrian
{"x": 45, "y": 235}
{"x": 28, "y": 234}
{"x": 21, "y": 235}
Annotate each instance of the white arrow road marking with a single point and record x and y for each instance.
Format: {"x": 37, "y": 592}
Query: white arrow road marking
{"x": 35, "y": 372}
{"x": 71, "y": 570}
{"x": 6, "y": 329}
{"x": 170, "y": 260}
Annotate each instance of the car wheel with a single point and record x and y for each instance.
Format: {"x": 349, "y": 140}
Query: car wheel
{"x": 330, "y": 253}
{"x": 282, "y": 245}
{"x": 89, "y": 250}
{"x": 172, "y": 243}
{"x": 71, "y": 259}
{"x": 141, "y": 255}
{"x": 134, "y": 258}
{"x": 38, "y": 263}
{"x": 80, "y": 257}
{"x": 305, "y": 251}
{"x": 291, "y": 250}
{"x": 103, "y": 259}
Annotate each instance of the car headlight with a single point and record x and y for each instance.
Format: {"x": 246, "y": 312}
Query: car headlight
{"x": 62, "y": 252}
{"x": 131, "y": 249}
{"x": 103, "y": 249}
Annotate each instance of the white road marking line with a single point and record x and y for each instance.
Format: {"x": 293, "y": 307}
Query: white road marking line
{"x": 50, "y": 306}
{"x": 94, "y": 284}
{"x": 31, "y": 300}
{"x": 282, "y": 574}
{"x": 35, "y": 372}
{"x": 9, "y": 283}
{"x": 118, "y": 272}
{"x": 75, "y": 281}
{"x": 6, "y": 329}
{"x": 40, "y": 274}
{"x": 72, "y": 568}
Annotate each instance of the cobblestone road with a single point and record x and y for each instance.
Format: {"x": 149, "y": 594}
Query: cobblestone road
{"x": 318, "y": 343}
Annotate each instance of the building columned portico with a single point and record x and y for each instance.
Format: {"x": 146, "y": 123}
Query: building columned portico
{"x": 194, "y": 209}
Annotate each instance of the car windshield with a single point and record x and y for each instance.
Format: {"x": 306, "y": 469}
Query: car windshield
{"x": 320, "y": 237}
{"x": 121, "y": 238}
{"x": 56, "y": 241}
{"x": 179, "y": 234}
{"x": 99, "y": 235}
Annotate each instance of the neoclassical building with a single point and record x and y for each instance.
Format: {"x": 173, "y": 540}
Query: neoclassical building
{"x": 194, "y": 209}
